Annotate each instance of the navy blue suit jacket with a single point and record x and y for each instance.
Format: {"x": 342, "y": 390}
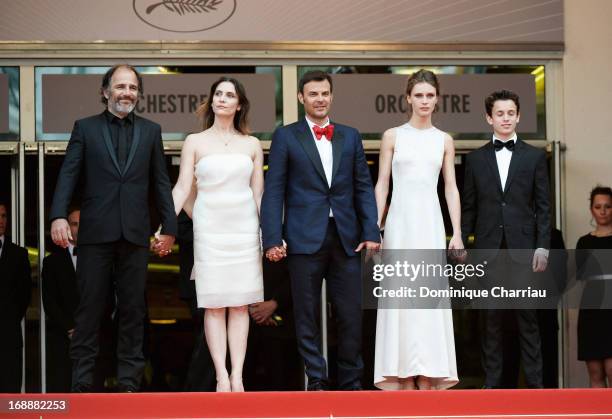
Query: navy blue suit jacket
{"x": 296, "y": 183}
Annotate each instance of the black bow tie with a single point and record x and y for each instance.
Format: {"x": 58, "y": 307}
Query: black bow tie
{"x": 501, "y": 144}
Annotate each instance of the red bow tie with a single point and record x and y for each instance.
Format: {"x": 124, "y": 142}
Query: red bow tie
{"x": 328, "y": 131}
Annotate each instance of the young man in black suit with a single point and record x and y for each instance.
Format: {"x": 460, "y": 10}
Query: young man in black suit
{"x": 506, "y": 204}
{"x": 120, "y": 158}
{"x": 15, "y": 294}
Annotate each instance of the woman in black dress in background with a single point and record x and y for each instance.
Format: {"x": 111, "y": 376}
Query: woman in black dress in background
{"x": 594, "y": 325}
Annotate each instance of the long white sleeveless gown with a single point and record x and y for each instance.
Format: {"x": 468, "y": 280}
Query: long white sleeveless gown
{"x": 226, "y": 240}
{"x": 412, "y": 342}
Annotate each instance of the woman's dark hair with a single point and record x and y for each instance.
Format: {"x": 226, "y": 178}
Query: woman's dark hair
{"x": 315, "y": 75}
{"x": 600, "y": 190}
{"x": 501, "y": 95}
{"x": 106, "y": 80}
{"x": 422, "y": 76}
{"x": 205, "y": 110}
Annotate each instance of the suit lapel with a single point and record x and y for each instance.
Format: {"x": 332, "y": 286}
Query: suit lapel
{"x": 135, "y": 141}
{"x": 514, "y": 162}
{"x": 492, "y": 161}
{"x": 337, "y": 147}
{"x": 307, "y": 142}
{"x": 109, "y": 144}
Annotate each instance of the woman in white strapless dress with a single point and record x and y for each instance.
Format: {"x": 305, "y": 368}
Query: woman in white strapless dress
{"x": 415, "y": 348}
{"x": 224, "y": 202}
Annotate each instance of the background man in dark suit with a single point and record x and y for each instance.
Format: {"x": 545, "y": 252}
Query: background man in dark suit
{"x": 15, "y": 294}
{"x": 120, "y": 157}
{"x": 200, "y": 375}
{"x": 319, "y": 177}
{"x": 273, "y": 362}
{"x": 506, "y": 205}
{"x": 60, "y": 299}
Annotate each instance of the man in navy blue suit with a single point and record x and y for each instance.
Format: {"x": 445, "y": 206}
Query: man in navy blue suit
{"x": 319, "y": 199}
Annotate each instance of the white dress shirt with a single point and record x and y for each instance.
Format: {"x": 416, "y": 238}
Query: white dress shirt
{"x": 2, "y": 240}
{"x": 503, "y": 158}
{"x": 72, "y": 255}
{"x": 324, "y": 147}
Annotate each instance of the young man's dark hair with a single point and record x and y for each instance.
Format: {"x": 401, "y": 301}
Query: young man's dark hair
{"x": 109, "y": 75}
{"x": 501, "y": 95}
{"x": 315, "y": 75}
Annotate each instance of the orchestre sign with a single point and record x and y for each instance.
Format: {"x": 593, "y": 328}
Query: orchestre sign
{"x": 370, "y": 102}
{"x": 375, "y": 102}
{"x": 169, "y": 99}
{"x": 4, "y": 103}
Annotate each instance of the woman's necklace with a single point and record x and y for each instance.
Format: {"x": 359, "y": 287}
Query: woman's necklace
{"x": 225, "y": 137}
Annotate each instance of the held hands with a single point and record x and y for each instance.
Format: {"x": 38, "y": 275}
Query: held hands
{"x": 276, "y": 253}
{"x": 456, "y": 249}
{"x": 371, "y": 248}
{"x": 368, "y": 245}
{"x": 60, "y": 232}
{"x": 162, "y": 244}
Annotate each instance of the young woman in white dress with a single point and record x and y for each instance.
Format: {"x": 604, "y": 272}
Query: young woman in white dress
{"x": 415, "y": 348}
{"x": 220, "y": 186}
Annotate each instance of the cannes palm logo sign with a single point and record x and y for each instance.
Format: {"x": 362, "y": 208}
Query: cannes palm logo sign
{"x": 184, "y": 15}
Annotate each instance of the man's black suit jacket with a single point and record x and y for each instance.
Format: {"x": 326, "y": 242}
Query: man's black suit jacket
{"x": 59, "y": 290}
{"x": 15, "y": 293}
{"x": 520, "y": 212}
{"x": 115, "y": 202}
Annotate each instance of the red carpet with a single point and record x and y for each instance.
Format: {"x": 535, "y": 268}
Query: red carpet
{"x": 457, "y": 404}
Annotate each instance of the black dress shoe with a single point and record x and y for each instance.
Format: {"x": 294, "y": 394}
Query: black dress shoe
{"x": 317, "y": 386}
{"x": 81, "y": 388}
{"x": 127, "y": 389}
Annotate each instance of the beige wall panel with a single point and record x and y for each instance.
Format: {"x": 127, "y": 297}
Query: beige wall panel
{"x": 284, "y": 20}
{"x": 587, "y": 92}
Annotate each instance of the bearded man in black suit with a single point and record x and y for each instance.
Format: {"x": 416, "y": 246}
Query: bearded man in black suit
{"x": 120, "y": 158}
